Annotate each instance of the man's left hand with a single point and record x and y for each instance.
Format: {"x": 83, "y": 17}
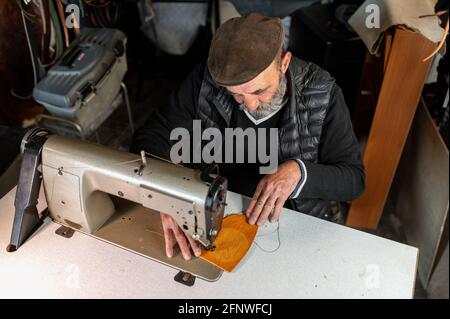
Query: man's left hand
{"x": 271, "y": 193}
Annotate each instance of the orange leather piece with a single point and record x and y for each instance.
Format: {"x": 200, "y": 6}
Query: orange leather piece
{"x": 232, "y": 243}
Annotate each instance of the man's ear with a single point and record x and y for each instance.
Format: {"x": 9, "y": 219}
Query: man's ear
{"x": 285, "y": 60}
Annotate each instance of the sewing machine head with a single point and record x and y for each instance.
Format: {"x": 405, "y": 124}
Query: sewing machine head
{"x": 79, "y": 176}
{"x": 80, "y": 179}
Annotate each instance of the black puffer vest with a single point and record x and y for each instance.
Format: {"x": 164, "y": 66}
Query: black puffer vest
{"x": 300, "y": 125}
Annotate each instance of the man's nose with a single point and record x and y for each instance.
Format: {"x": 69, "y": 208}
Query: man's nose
{"x": 251, "y": 103}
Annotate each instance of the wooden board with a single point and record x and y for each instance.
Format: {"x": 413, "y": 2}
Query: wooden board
{"x": 400, "y": 92}
{"x": 420, "y": 191}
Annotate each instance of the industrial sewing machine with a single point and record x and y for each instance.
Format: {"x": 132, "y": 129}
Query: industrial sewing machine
{"x": 94, "y": 189}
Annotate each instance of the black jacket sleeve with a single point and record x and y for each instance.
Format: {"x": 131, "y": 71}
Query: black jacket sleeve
{"x": 339, "y": 174}
{"x": 154, "y": 135}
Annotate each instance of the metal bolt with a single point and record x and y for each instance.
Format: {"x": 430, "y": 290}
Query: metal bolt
{"x": 196, "y": 236}
{"x": 213, "y": 232}
{"x": 120, "y": 193}
{"x": 186, "y": 277}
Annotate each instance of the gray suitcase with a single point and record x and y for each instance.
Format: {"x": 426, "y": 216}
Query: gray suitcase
{"x": 83, "y": 84}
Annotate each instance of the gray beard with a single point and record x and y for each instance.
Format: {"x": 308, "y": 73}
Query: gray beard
{"x": 267, "y": 108}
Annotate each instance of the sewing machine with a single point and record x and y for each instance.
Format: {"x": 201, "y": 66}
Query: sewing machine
{"x": 94, "y": 189}
{"x": 335, "y": 261}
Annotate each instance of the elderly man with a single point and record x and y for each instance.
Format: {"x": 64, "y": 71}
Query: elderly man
{"x": 249, "y": 82}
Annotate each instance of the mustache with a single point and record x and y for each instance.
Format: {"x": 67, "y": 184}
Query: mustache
{"x": 266, "y": 108}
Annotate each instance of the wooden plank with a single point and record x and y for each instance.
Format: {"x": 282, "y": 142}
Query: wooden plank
{"x": 420, "y": 190}
{"x": 387, "y": 49}
{"x": 397, "y": 103}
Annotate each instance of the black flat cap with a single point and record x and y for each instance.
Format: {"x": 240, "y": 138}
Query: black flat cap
{"x": 244, "y": 47}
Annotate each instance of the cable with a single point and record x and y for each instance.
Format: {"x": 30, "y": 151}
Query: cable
{"x": 92, "y": 18}
{"x": 58, "y": 35}
{"x": 17, "y": 96}
{"x": 63, "y": 19}
{"x": 277, "y": 230}
{"x": 46, "y": 50}
{"x": 28, "y": 16}
{"x": 33, "y": 62}
{"x": 441, "y": 43}
{"x": 92, "y": 4}
{"x": 98, "y": 14}
{"x": 116, "y": 13}
{"x": 103, "y": 12}
{"x": 278, "y": 239}
{"x": 108, "y": 16}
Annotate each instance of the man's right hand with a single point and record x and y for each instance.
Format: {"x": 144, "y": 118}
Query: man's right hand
{"x": 173, "y": 234}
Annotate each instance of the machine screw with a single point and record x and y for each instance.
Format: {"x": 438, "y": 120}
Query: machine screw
{"x": 213, "y": 232}
{"x": 120, "y": 194}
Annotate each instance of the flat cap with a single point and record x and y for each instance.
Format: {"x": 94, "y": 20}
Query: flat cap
{"x": 244, "y": 47}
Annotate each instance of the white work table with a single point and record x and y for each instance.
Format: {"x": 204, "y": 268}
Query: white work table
{"x": 316, "y": 259}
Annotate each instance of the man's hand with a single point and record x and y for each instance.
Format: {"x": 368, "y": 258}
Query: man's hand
{"x": 173, "y": 234}
{"x": 271, "y": 193}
